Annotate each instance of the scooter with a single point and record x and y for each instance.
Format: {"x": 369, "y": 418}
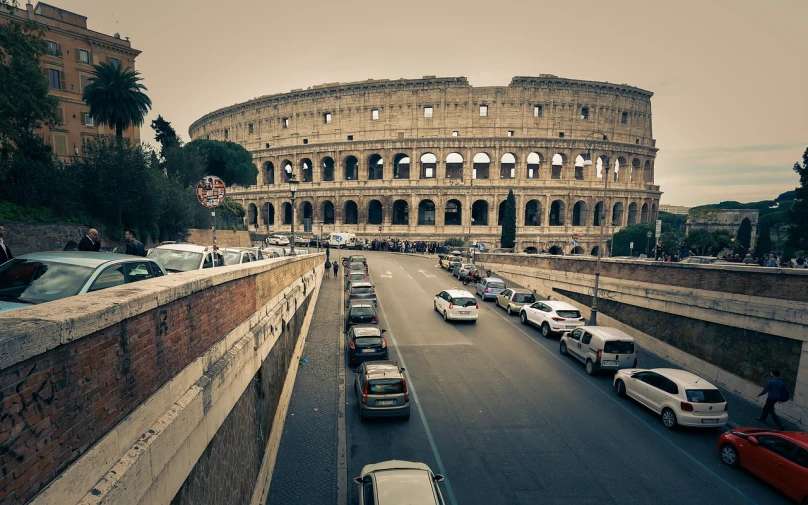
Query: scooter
{"x": 473, "y": 276}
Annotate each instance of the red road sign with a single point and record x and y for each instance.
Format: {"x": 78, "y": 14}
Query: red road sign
{"x": 575, "y": 236}
{"x": 380, "y": 228}
{"x": 210, "y": 191}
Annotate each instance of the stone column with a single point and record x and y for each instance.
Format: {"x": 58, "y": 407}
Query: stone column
{"x": 415, "y": 165}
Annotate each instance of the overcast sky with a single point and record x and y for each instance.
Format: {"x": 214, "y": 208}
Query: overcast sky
{"x": 729, "y": 77}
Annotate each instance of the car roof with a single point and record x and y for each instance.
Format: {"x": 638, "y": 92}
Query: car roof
{"x": 495, "y": 279}
{"x": 607, "y": 332}
{"x": 521, "y": 291}
{"x": 361, "y": 303}
{"x": 183, "y": 247}
{"x": 558, "y": 304}
{"x": 394, "y": 464}
{"x": 384, "y": 368}
{"x": 414, "y": 483}
{"x": 81, "y": 258}
{"x": 459, "y": 292}
{"x": 358, "y": 273}
{"x": 367, "y": 331}
{"x": 361, "y": 284}
{"x": 684, "y": 377}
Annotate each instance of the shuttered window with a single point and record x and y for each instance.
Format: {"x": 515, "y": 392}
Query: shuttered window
{"x": 56, "y": 79}
{"x": 83, "y": 56}
{"x": 60, "y": 144}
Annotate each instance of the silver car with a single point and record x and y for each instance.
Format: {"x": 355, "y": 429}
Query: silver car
{"x": 490, "y": 287}
{"x": 398, "y": 482}
{"x": 382, "y": 390}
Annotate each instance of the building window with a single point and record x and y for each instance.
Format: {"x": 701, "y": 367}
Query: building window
{"x": 510, "y": 133}
{"x": 561, "y": 135}
{"x": 285, "y": 122}
{"x": 305, "y": 141}
{"x": 55, "y": 79}
{"x": 83, "y": 56}
{"x": 585, "y": 113}
{"x": 350, "y": 137}
{"x": 624, "y": 119}
{"x": 87, "y": 119}
{"x": 267, "y": 145}
{"x": 84, "y": 81}
{"x": 250, "y": 128}
{"x": 374, "y": 114}
{"x": 60, "y": 144}
{"x": 54, "y": 49}
{"x": 226, "y": 133}
{"x": 114, "y": 62}
{"x": 60, "y": 112}
{"x": 483, "y": 111}
{"x": 327, "y": 118}
{"x": 537, "y": 111}
{"x": 455, "y": 133}
{"x": 427, "y": 111}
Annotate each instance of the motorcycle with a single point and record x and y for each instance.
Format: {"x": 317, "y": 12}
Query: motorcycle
{"x": 473, "y": 276}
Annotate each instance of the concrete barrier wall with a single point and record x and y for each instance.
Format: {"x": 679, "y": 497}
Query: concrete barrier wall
{"x": 111, "y": 397}
{"x": 731, "y": 324}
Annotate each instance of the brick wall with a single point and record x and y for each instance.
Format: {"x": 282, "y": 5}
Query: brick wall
{"x": 224, "y": 238}
{"x": 57, "y": 401}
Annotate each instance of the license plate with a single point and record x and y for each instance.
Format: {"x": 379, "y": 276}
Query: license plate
{"x": 383, "y": 403}
{"x": 709, "y": 421}
{"x": 368, "y": 350}
{"x": 464, "y": 311}
{"x": 608, "y": 363}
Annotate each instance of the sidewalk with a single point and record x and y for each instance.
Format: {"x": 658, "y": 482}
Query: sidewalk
{"x": 306, "y": 465}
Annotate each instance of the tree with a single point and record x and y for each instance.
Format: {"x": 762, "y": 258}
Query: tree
{"x": 672, "y": 221}
{"x": 764, "y": 239}
{"x": 165, "y": 133}
{"x": 798, "y": 215}
{"x": 185, "y": 164}
{"x": 116, "y": 97}
{"x": 508, "y": 237}
{"x": 744, "y": 236}
{"x": 228, "y": 160}
{"x": 701, "y": 241}
{"x": 637, "y": 233}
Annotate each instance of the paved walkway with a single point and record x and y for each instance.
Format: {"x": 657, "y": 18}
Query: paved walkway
{"x": 306, "y": 465}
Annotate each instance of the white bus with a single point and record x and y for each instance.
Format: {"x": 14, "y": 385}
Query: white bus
{"x": 345, "y": 239}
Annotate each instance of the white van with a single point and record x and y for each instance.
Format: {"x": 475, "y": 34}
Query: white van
{"x": 346, "y": 239}
{"x": 600, "y": 348}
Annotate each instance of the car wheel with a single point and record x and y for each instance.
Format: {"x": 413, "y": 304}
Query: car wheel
{"x": 590, "y": 367}
{"x": 620, "y": 388}
{"x": 730, "y": 456}
{"x": 523, "y": 318}
{"x": 545, "y": 329}
{"x": 563, "y": 348}
{"x": 445, "y": 316}
{"x": 669, "y": 418}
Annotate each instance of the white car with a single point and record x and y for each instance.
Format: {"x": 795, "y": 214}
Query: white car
{"x": 398, "y": 483}
{"x": 679, "y": 397}
{"x": 456, "y": 305}
{"x": 176, "y": 258}
{"x": 551, "y": 316}
{"x": 277, "y": 240}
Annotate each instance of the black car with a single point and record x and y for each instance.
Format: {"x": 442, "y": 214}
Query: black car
{"x": 366, "y": 343}
{"x": 360, "y": 312}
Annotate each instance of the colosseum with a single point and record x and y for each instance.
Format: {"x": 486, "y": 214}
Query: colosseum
{"x": 434, "y": 158}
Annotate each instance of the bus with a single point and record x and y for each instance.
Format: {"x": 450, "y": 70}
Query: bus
{"x": 346, "y": 239}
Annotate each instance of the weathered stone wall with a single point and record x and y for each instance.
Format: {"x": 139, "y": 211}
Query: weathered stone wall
{"x": 224, "y": 238}
{"x": 24, "y": 238}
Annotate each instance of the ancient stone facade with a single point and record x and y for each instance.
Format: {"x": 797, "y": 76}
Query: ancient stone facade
{"x": 434, "y": 158}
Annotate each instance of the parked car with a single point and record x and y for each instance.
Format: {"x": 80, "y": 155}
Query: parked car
{"x": 382, "y": 390}
{"x": 490, "y": 287}
{"x": 355, "y": 267}
{"x": 513, "y": 299}
{"x": 464, "y": 270}
{"x": 176, "y": 258}
{"x": 301, "y": 240}
{"x": 280, "y": 240}
{"x": 355, "y": 276}
{"x": 361, "y": 290}
{"x": 678, "y": 396}
{"x": 399, "y": 482}
{"x": 600, "y": 348}
{"x": 43, "y": 277}
{"x": 703, "y": 260}
{"x": 237, "y": 257}
{"x": 779, "y": 458}
{"x": 456, "y": 305}
{"x": 360, "y": 312}
{"x": 551, "y": 316}
{"x": 458, "y": 267}
{"x": 365, "y": 343}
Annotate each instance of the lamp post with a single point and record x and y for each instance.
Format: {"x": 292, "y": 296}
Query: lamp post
{"x": 591, "y": 144}
{"x": 293, "y": 182}
{"x": 648, "y": 243}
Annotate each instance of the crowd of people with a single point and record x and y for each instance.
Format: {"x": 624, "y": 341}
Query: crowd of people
{"x": 405, "y": 246}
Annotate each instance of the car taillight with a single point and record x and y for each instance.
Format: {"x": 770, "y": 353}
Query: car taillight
{"x": 384, "y": 343}
{"x": 365, "y": 394}
{"x": 451, "y": 305}
{"x": 373, "y": 294}
{"x": 582, "y": 319}
{"x": 557, "y": 318}
{"x": 599, "y": 355}
{"x": 406, "y": 391}
{"x": 476, "y": 305}
{"x": 486, "y": 290}
{"x": 726, "y": 407}
{"x": 373, "y": 318}
{"x": 352, "y": 344}
{"x": 686, "y": 407}
{"x": 353, "y": 295}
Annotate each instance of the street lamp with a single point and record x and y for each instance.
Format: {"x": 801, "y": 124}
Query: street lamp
{"x": 648, "y": 243}
{"x": 591, "y": 143}
{"x": 293, "y": 182}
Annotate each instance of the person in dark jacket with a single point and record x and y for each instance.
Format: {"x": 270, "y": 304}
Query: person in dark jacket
{"x": 133, "y": 245}
{"x": 5, "y": 252}
{"x": 90, "y": 241}
{"x": 775, "y": 389}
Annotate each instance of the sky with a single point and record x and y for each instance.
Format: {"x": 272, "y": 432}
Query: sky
{"x": 729, "y": 77}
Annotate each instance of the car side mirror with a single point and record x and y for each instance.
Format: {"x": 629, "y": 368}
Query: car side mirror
{"x": 439, "y": 478}
{"x": 357, "y": 480}
{"x": 401, "y": 369}
{"x": 753, "y": 440}
{"x": 384, "y": 331}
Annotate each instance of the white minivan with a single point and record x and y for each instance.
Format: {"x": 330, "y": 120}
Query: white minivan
{"x": 456, "y": 305}
{"x": 342, "y": 240}
{"x": 600, "y": 348}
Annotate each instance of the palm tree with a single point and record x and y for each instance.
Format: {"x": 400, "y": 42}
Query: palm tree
{"x": 116, "y": 97}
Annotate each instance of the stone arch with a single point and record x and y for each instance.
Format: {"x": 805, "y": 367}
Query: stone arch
{"x": 556, "y": 250}
{"x": 401, "y": 166}
{"x": 647, "y": 173}
{"x": 644, "y": 214}
{"x": 579, "y": 213}
{"x": 595, "y": 251}
{"x": 635, "y": 170}
{"x": 306, "y": 170}
{"x": 426, "y": 212}
{"x": 351, "y": 166}
{"x": 268, "y": 214}
{"x": 287, "y": 169}
{"x": 579, "y": 167}
{"x": 375, "y": 167}
{"x": 401, "y": 212}
{"x": 327, "y": 213}
{"x": 252, "y": 215}
{"x": 598, "y": 214}
{"x": 507, "y": 166}
{"x": 558, "y": 162}
{"x": 429, "y": 166}
{"x": 269, "y": 173}
{"x": 599, "y": 167}
{"x": 557, "y": 209}
{"x": 621, "y": 163}
{"x": 479, "y": 213}
{"x": 617, "y": 214}
{"x": 453, "y": 213}
{"x": 375, "y": 212}
{"x": 653, "y": 212}
{"x": 501, "y": 212}
{"x": 454, "y": 166}
{"x": 350, "y": 214}
{"x": 632, "y": 213}
{"x": 577, "y": 250}
{"x": 286, "y": 209}
{"x": 328, "y": 168}
{"x": 533, "y": 213}
{"x": 481, "y": 164}
{"x": 533, "y": 165}
{"x": 305, "y": 211}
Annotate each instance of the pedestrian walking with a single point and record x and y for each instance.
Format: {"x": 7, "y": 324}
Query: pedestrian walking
{"x": 90, "y": 241}
{"x": 336, "y": 269}
{"x": 5, "y": 252}
{"x": 778, "y": 392}
{"x": 133, "y": 245}
{"x": 327, "y": 268}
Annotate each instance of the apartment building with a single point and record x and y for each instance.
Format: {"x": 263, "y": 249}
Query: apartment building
{"x": 72, "y": 51}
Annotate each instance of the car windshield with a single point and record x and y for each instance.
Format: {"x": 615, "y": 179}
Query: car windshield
{"x": 358, "y": 259}
{"x": 35, "y": 281}
{"x": 176, "y": 261}
{"x": 232, "y": 257}
{"x": 385, "y": 386}
{"x": 704, "y": 396}
{"x": 568, "y": 314}
{"x": 357, "y": 266}
{"x": 363, "y": 310}
{"x": 368, "y": 341}
{"x": 464, "y": 302}
{"x": 524, "y": 298}
{"x": 362, "y": 290}
{"x": 618, "y": 347}
{"x": 496, "y": 285}
{"x": 358, "y": 277}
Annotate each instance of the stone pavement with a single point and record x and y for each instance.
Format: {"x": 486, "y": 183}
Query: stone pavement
{"x": 306, "y": 466}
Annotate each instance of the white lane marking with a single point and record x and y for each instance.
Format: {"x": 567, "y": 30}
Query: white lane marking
{"x": 410, "y": 276}
{"x": 401, "y": 267}
{"x": 388, "y": 276}
{"x": 426, "y": 274}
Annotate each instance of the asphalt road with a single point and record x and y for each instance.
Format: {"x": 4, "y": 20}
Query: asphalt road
{"x": 508, "y": 420}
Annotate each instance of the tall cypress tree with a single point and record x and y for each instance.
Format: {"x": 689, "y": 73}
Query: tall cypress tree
{"x": 764, "y": 239}
{"x": 508, "y": 238}
{"x": 744, "y": 236}
{"x": 798, "y": 215}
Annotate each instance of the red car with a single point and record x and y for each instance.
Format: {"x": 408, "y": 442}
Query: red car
{"x": 780, "y": 458}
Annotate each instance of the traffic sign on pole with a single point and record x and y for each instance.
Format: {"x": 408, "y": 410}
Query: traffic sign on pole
{"x": 575, "y": 236}
{"x": 210, "y": 191}
{"x": 658, "y": 228}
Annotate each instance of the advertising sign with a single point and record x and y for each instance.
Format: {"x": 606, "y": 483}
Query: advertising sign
{"x": 210, "y": 191}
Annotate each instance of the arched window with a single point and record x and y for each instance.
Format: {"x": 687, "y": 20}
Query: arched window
{"x": 454, "y": 166}
{"x": 288, "y": 170}
{"x": 598, "y": 214}
{"x": 269, "y": 173}
{"x": 533, "y": 164}
{"x": 533, "y": 213}
{"x": 617, "y": 214}
{"x": 501, "y": 212}
{"x": 351, "y": 168}
{"x": 351, "y": 213}
{"x": 479, "y": 213}
{"x": 401, "y": 212}
{"x": 426, "y": 213}
{"x": 306, "y": 212}
{"x": 507, "y": 166}
{"x": 557, "y": 213}
{"x": 579, "y": 167}
{"x": 453, "y": 214}
{"x": 429, "y": 165}
{"x": 328, "y": 168}
{"x": 644, "y": 214}
{"x": 327, "y": 212}
{"x": 620, "y": 164}
{"x": 636, "y": 173}
{"x": 556, "y": 250}
{"x": 558, "y": 162}
{"x": 268, "y": 214}
{"x": 306, "y": 169}
{"x": 481, "y": 166}
{"x": 287, "y": 212}
{"x": 375, "y": 212}
{"x": 401, "y": 166}
{"x": 375, "y": 168}
{"x": 579, "y": 213}
{"x": 647, "y": 173}
{"x": 252, "y": 215}
{"x": 632, "y": 213}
